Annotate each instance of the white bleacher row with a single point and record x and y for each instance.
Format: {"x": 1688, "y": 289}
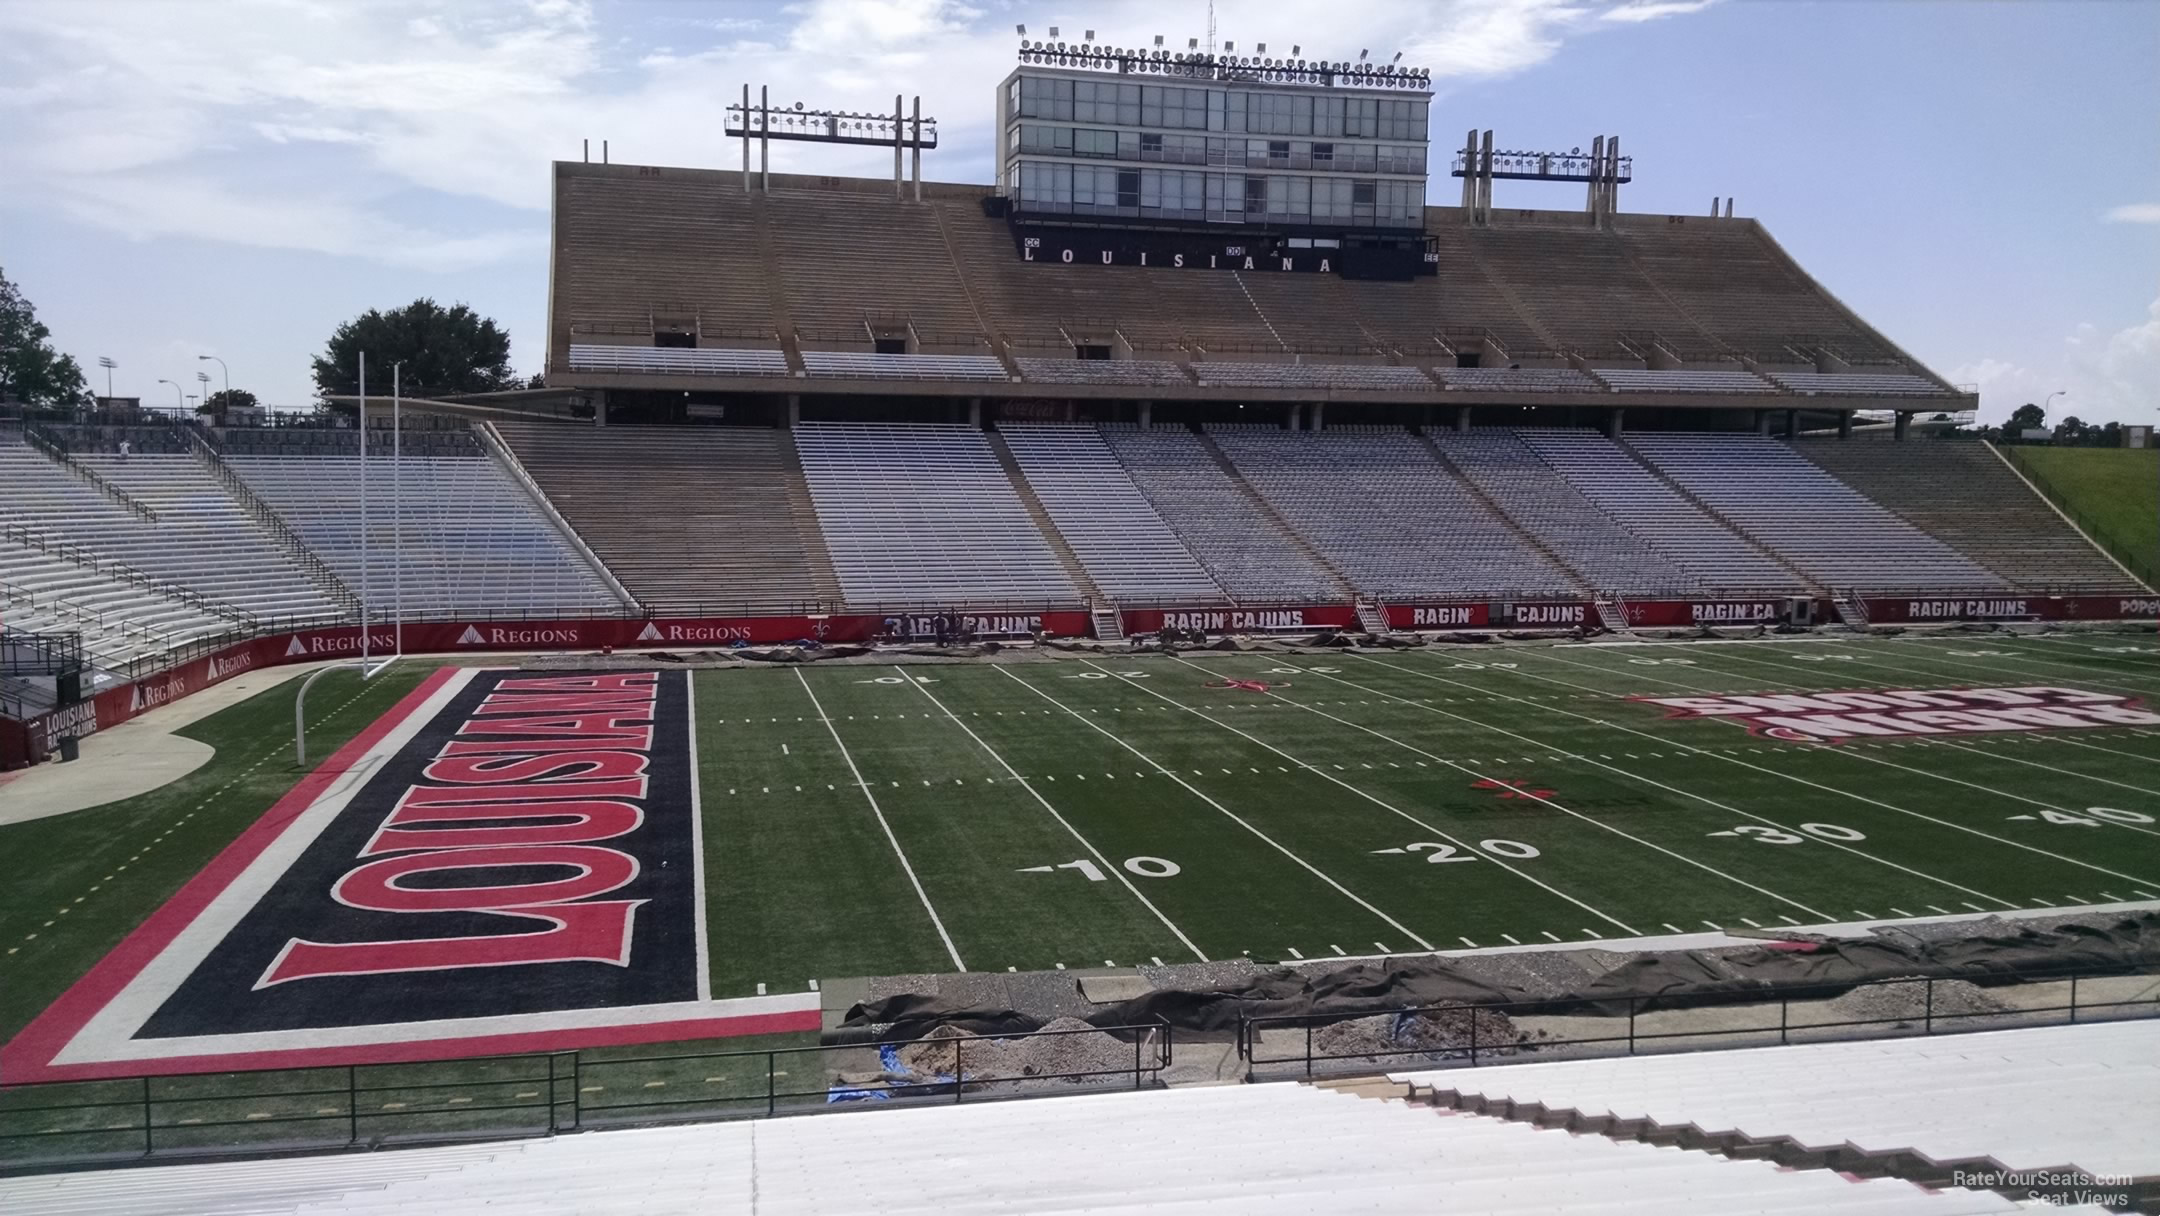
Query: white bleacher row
{"x": 1388, "y": 515}
{"x": 446, "y": 535}
{"x": 1858, "y": 384}
{"x": 1499, "y": 463}
{"x": 924, "y": 514}
{"x": 1518, "y": 380}
{"x": 831, "y": 363}
{"x": 1215, "y": 519}
{"x": 120, "y": 621}
{"x": 677, "y": 361}
{"x": 1233, "y": 374}
{"x": 1103, "y": 371}
{"x": 2032, "y": 1099}
{"x": 1104, "y": 519}
{"x": 202, "y": 539}
{"x": 1259, "y": 1150}
{"x": 1664, "y": 521}
{"x": 1640, "y": 380}
{"x": 1809, "y": 518}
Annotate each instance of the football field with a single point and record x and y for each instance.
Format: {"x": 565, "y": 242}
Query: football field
{"x": 1123, "y": 811}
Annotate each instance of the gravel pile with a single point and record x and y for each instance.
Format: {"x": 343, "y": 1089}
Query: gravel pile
{"x": 1042, "y": 1055}
{"x": 1908, "y": 1001}
{"x": 1447, "y": 1029}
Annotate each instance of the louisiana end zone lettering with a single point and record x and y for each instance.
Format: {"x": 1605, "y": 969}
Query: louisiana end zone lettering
{"x": 1833, "y": 717}
{"x": 531, "y": 849}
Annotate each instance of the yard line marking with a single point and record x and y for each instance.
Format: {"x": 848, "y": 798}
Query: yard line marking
{"x": 1467, "y": 942}
{"x": 1939, "y": 908}
{"x": 1721, "y": 755}
{"x": 1541, "y": 799}
{"x": 1675, "y": 928}
{"x": 2113, "y": 899}
{"x": 1382, "y": 946}
{"x": 1383, "y": 805}
{"x": 1233, "y": 816}
{"x": 783, "y": 749}
{"x": 1549, "y": 933}
{"x": 1158, "y": 962}
{"x": 1750, "y": 924}
{"x": 1108, "y": 866}
{"x": 697, "y": 842}
{"x": 2085, "y": 673}
{"x": 1975, "y": 907}
{"x": 1839, "y": 845}
{"x": 1713, "y": 924}
{"x": 1511, "y": 939}
{"x": 1294, "y": 952}
{"x": 879, "y": 812}
{"x": 1900, "y": 912}
{"x": 1337, "y": 949}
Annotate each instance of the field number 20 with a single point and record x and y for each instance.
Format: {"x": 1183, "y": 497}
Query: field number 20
{"x": 1770, "y": 835}
{"x": 1437, "y": 853}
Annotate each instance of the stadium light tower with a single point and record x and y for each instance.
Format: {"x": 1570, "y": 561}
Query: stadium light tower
{"x": 222, "y": 368}
{"x": 203, "y": 378}
{"x": 106, "y": 362}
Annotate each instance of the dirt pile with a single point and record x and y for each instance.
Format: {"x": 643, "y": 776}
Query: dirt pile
{"x": 1442, "y": 1031}
{"x": 1909, "y": 1002}
{"x": 1047, "y": 1054}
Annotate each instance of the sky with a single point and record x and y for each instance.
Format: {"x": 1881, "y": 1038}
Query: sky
{"x": 1981, "y": 181}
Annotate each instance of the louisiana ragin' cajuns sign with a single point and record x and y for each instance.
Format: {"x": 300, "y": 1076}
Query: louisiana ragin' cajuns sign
{"x": 1833, "y": 717}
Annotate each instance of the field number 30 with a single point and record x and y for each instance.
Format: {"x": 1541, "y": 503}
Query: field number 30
{"x": 1770, "y": 835}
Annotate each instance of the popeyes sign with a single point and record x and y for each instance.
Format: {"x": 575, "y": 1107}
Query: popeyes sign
{"x": 1834, "y": 717}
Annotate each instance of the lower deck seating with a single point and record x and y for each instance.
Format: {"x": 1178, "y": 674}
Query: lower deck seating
{"x": 1963, "y": 495}
{"x": 1241, "y": 549}
{"x": 694, "y": 521}
{"x": 1394, "y": 520}
{"x": 925, "y": 515}
{"x": 1809, "y": 518}
{"x": 445, "y": 536}
{"x": 1130, "y": 553}
{"x": 1662, "y": 520}
{"x": 120, "y": 621}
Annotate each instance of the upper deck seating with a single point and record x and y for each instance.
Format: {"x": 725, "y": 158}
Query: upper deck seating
{"x": 902, "y": 367}
{"x": 1104, "y": 371}
{"x": 1518, "y": 380}
{"x": 1355, "y": 376}
{"x": 1109, "y": 525}
{"x": 1215, "y": 519}
{"x": 677, "y": 361}
{"x": 1680, "y": 380}
{"x": 1859, "y": 384}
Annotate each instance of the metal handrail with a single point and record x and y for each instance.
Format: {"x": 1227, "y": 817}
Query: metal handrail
{"x": 263, "y": 513}
{"x": 56, "y": 451}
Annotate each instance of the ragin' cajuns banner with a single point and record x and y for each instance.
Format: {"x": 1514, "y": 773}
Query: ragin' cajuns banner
{"x": 506, "y": 861}
{"x": 1241, "y": 620}
{"x": 1835, "y": 717}
{"x": 1925, "y": 610}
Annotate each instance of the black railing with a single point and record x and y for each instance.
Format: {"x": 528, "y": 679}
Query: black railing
{"x": 356, "y": 1106}
{"x": 1491, "y": 1036}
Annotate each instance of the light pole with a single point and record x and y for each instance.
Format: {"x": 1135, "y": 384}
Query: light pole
{"x": 222, "y": 368}
{"x": 179, "y": 398}
{"x": 105, "y": 361}
{"x": 203, "y": 378}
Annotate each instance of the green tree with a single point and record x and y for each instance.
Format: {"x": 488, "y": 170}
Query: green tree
{"x": 2026, "y": 417}
{"x": 228, "y": 399}
{"x": 444, "y": 350}
{"x": 31, "y": 371}
{"x": 2070, "y": 431}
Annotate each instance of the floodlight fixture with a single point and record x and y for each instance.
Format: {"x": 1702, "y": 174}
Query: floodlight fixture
{"x": 1053, "y": 31}
{"x": 1192, "y": 44}
{"x": 1262, "y": 48}
{"x": 1020, "y": 30}
{"x": 1362, "y": 54}
{"x": 1397, "y": 58}
{"x": 1090, "y": 36}
{"x": 1158, "y": 40}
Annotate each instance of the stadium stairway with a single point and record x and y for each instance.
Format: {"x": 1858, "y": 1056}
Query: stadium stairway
{"x": 1266, "y": 511}
{"x": 1963, "y": 494}
{"x": 1075, "y": 569}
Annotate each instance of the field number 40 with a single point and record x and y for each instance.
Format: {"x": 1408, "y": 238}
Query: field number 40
{"x": 2092, "y": 816}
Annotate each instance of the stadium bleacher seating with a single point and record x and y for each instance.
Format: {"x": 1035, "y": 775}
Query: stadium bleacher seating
{"x": 1395, "y": 521}
{"x": 631, "y": 244}
{"x": 1109, "y": 525}
{"x": 1859, "y": 384}
{"x": 1577, "y": 284}
{"x": 1541, "y": 502}
{"x": 1639, "y": 380}
{"x": 677, "y": 361}
{"x": 201, "y": 539}
{"x": 1517, "y": 380}
{"x": 1268, "y": 1150}
{"x": 693, "y": 520}
{"x": 925, "y": 516}
{"x": 121, "y": 621}
{"x": 902, "y": 367}
{"x": 1311, "y": 375}
{"x": 1217, "y": 521}
{"x": 1733, "y": 279}
{"x": 835, "y": 281}
{"x": 2033, "y": 1100}
{"x": 1963, "y": 495}
{"x": 445, "y": 535}
{"x": 1663, "y": 520}
{"x": 1808, "y": 517}
{"x": 1103, "y": 371}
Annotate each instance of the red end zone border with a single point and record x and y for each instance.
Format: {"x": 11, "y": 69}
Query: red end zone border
{"x": 35, "y": 1055}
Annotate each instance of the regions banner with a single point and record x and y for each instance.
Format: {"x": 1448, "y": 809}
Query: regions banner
{"x": 1835, "y": 717}
{"x": 507, "y": 861}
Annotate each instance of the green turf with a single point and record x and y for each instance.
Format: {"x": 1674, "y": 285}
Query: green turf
{"x": 89, "y": 877}
{"x": 2113, "y": 493}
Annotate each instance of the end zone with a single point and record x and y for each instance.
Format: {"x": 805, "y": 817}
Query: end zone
{"x": 505, "y": 861}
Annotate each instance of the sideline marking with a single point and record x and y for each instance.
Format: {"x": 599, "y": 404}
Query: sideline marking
{"x": 879, "y": 812}
{"x": 697, "y": 847}
{"x": 1377, "y": 801}
{"x": 1233, "y": 816}
{"x": 1107, "y": 865}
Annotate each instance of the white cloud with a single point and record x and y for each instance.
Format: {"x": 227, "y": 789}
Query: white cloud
{"x": 2112, "y": 380}
{"x": 2135, "y": 213}
{"x": 1651, "y": 10}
